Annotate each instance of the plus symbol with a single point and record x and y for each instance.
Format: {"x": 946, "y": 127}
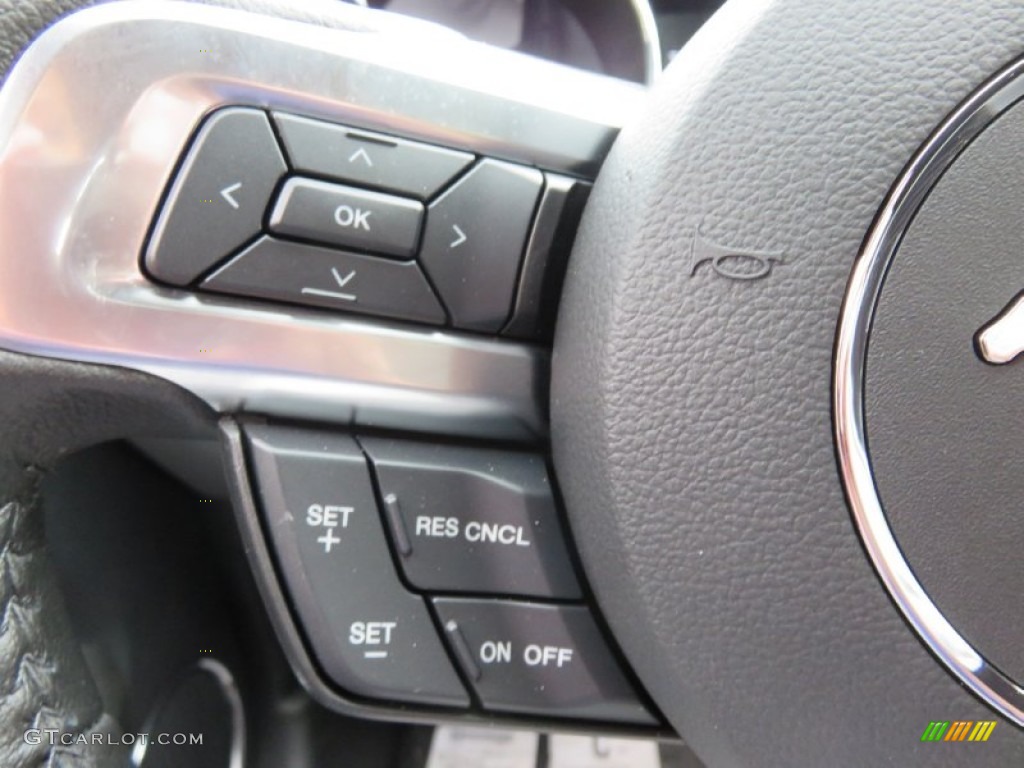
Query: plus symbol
{"x": 329, "y": 540}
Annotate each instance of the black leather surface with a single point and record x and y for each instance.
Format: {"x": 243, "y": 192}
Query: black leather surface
{"x": 48, "y": 409}
{"x": 691, "y": 413}
{"x": 944, "y": 427}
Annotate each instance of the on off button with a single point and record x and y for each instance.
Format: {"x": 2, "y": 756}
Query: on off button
{"x": 538, "y": 659}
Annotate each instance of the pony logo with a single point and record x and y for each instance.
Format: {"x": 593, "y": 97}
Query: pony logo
{"x": 730, "y": 263}
{"x": 1002, "y": 340}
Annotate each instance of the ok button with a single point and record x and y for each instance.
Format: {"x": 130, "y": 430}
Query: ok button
{"x": 347, "y": 217}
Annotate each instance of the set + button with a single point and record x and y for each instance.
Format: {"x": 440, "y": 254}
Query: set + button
{"x": 370, "y": 635}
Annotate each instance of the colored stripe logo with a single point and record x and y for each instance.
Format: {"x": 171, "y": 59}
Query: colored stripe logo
{"x": 958, "y": 730}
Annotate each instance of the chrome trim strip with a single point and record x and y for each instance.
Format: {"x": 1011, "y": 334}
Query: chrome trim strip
{"x": 648, "y": 25}
{"x": 233, "y": 696}
{"x": 962, "y": 659}
{"x": 93, "y": 119}
{"x": 225, "y": 680}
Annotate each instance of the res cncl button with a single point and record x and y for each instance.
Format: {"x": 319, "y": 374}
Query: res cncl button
{"x": 473, "y": 519}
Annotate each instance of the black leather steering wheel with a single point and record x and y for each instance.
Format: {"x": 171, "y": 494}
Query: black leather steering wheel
{"x": 692, "y": 410}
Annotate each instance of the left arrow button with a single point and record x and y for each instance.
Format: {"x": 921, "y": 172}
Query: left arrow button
{"x": 216, "y": 202}
{"x": 228, "y": 193}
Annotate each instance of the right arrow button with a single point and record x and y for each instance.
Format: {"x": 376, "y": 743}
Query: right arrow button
{"x": 460, "y": 236}
{"x": 476, "y": 273}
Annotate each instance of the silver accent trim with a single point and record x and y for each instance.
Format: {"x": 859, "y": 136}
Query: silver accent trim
{"x": 1002, "y": 340}
{"x": 233, "y": 698}
{"x": 233, "y": 695}
{"x": 955, "y": 652}
{"x": 93, "y": 119}
{"x": 648, "y": 25}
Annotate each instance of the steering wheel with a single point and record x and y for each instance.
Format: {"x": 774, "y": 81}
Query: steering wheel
{"x": 782, "y": 390}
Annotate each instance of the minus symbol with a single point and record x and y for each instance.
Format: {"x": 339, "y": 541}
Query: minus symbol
{"x": 375, "y": 654}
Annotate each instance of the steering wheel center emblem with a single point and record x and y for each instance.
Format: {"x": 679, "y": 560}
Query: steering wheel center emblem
{"x": 1002, "y": 340}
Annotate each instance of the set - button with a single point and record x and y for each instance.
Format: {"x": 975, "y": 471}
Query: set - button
{"x": 369, "y": 634}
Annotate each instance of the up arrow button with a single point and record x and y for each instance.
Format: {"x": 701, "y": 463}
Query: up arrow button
{"x": 363, "y": 155}
{"x": 367, "y": 158}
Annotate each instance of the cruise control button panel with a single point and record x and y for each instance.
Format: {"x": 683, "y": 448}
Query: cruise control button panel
{"x": 472, "y": 520}
{"x": 482, "y": 242}
{"x": 432, "y": 574}
{"x": 218, "y": 197}
{"x": 538, "y": 659}
{"x": 370, "y": 635}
